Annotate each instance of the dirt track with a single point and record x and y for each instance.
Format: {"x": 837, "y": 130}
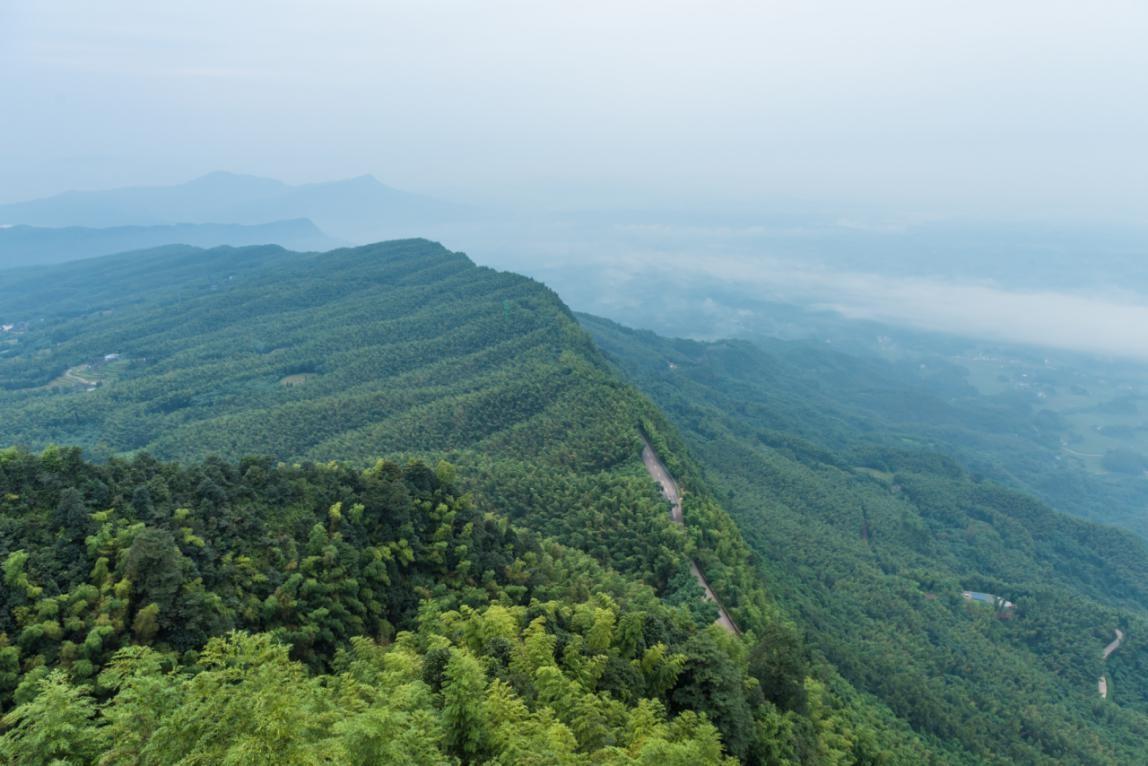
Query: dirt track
{"x": 659, "y": 473}
{"x": 77, "y": 378}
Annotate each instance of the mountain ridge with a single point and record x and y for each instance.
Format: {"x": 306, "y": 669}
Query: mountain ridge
{"x": 356, "y": 209}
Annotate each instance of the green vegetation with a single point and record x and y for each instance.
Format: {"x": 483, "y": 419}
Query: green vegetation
{"x": 442, "y": 590}
{"x": 1092, "y": 406}
{"x": 527, "y": 600}
{"x": 1063, "y": 427}
{"x": 1122, "y": 460}
{"x": 1037, "y": 419}
{"x": 384, "y": 617}
{"x": 409, "y": 350}
{"x": 870, "y": 546}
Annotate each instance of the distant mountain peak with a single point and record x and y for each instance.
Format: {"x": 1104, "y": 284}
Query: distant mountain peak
{"x": 228, "y": 175}
{"x": 361, "y": 208}
{"x": 365, "y": 182}
{"x": 227, "y": 180}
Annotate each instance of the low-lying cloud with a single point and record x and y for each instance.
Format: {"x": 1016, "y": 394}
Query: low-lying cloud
{"x": 614, "y": 281}
{"x": 1088, "y": 323}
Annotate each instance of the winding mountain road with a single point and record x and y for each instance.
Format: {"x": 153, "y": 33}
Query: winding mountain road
{"x": 1115, "y": 644}
{"x": 658, "y": 472}
{"x": 75, "y": 377}
{"x": 1102, "y": 684}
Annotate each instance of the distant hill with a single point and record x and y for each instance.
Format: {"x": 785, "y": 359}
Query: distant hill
{"x": 355, "y": 209}
{"x": 35, "y": 245}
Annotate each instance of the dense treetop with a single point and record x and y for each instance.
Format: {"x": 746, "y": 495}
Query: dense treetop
{"x": 383, "y": 616}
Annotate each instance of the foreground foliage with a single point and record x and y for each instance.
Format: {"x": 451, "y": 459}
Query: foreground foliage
{"x": 390, "y": 621}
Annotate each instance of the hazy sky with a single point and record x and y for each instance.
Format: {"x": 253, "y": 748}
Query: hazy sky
{"x": 1020, "y": 107}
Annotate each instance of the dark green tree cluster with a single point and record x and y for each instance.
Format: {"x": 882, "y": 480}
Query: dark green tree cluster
{"x": 384, "y": 616}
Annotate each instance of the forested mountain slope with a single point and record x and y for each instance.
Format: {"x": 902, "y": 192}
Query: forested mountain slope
{"x": 872, "y": 548}
{"x": 1061, "y": 426}
{"x": 233, "y": 352}
{"x": 401, "y": 348}
{"x": 398, "y": 350}
{"x": 512, "y": 647}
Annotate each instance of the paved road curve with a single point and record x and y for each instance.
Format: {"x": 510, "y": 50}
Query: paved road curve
{"x": 1102, "y": 684}
{"x": 1115, "y": 644}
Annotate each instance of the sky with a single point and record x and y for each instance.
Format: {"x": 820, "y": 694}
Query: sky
{"x": 1027, "y": 108}
{"x": 885, "y": 113}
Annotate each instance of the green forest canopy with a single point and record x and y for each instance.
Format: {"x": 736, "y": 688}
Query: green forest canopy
{"x": 400, "y": 349}
{"x": 234, "y": 361}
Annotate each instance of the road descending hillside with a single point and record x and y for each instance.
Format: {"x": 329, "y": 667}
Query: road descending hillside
{"x": 1102, "y": 685}
{"x": 672, "y": 493}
